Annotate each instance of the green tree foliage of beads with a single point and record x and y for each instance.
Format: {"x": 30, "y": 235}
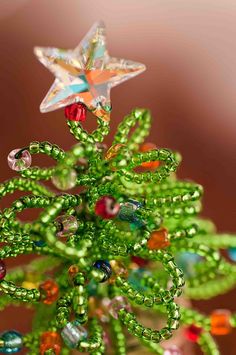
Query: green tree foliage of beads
{"x": 165, "y": 202}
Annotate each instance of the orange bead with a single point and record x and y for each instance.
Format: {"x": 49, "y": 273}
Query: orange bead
{"x": 158, "y": 239}
{"x": 49, "y": 291}
{"x": 146, "y": 147}
{"x": 220, "y": 322}
{"x": 50, "y": 341}
{"x": 73, "y": 271}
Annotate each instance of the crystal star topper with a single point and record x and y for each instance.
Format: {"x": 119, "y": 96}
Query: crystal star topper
{"x": 85, "y": 74}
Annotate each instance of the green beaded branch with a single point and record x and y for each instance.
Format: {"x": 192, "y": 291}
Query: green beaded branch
{"x": 93, "y": 266}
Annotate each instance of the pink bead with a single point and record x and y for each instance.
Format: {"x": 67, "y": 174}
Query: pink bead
{"x": 2, "y": 269}
{"x": 20, "y": 163}
{"x": 118, "y": 303}
{"x": 172, "y": 350}
{"x": 106, "y": 339}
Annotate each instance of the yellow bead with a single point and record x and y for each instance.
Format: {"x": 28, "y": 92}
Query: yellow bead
{"x": 29, "y": 285}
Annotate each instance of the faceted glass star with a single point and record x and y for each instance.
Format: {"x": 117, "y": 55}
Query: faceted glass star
{"x": 85, "y": 74}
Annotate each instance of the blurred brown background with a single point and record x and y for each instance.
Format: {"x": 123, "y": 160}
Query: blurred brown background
{"x": 189, "y": 48}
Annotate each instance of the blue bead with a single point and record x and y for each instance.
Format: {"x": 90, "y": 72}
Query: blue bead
{"x": 136, "y": 279}
{"x": 136, "y": 223}
{"x": 187, "y": 261}
{"x": 127, "y": 213}
{"x": 232, "y": 253}
{"x": 92, "y": 288}
{"x": 73, "y": 334}
{"x": 12, "y": 342}
{"x": 105, "y": 266}
{"x": 40, "y": 243}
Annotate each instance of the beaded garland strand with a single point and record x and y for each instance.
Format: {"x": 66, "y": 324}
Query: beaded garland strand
{"x": 116, "y": 247}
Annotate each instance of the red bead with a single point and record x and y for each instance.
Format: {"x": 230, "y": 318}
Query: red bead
{"x": 50, "y": 341}
{"x": 107, "y": 207}
{"x": 193, "y": 333}
{"x": 2, "y": 269}
{"x": 76, "y": 112}
{"x": 49, "y": 291}
{"x": 139, "y": 261}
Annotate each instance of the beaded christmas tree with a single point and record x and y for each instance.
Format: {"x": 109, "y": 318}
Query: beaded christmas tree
{"x": 128, "y": 241}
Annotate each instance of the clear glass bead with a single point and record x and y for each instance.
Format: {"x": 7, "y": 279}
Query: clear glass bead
{"x": 64, "y": 179}
{"x": 73, "y": 334}
{"x": 19, "y": 163}
{"x": 66, "y": 225}
{"x": 118, "y": 303}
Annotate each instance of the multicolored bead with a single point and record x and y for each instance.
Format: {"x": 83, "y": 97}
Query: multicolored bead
{"x": 116, "y": 304}
{"x": 107, "y": 207}
{"x": 49, "y": 291}
{"x": 76, "y": 112}
{"x": 128, "y": 214}
{"x": 104, "y": 266}
{"x": 50, "y": 341}
{"x": 12, "y": 341}
{"x": 19, "y": 163}
{"x": 3, "y": 269}
{"x": 66, "y": 225}
{"x": 73, "y": 334}
{"x": 220, "y": 322}
{"x": 158, "y": 239}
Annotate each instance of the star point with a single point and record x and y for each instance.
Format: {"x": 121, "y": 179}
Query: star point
{"x": 85, "y": 74}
